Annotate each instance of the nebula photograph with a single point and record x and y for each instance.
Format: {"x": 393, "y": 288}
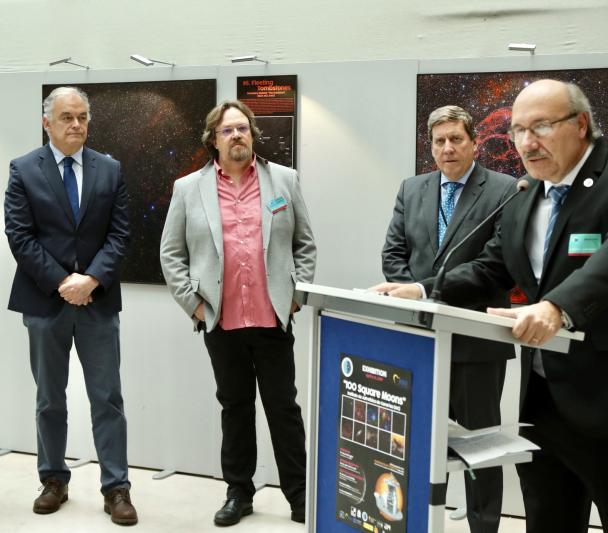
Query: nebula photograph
{"x": 488, "y": 98}
{"x": 154, "y": 129}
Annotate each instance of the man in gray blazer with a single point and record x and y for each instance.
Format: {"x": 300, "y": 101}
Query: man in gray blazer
{"x": 432, "y": 214}
{"x": 236, "y": 239}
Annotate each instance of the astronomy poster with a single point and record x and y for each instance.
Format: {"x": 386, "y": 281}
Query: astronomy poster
{"x": 373, "y": 445}
{"x": 273, "y": 101}
{"x": 488, "y": 97}
{"x": 154, "y": 129}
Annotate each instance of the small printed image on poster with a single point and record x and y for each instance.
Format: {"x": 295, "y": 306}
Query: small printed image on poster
{"x": 373, "y": 445}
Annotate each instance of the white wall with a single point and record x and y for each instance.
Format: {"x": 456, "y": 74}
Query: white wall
{"x": 194, "y": 32}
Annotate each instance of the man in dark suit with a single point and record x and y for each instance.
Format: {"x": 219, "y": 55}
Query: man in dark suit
{"x": 434, "y": 212}
{"x": 67, "y": 226}
{"x": 553, "y": 246}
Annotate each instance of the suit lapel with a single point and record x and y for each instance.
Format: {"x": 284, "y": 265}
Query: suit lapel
{"x": 50, "y": 170}
{"x": 469, "y": 196}
{"x": 519, "y": 224}
{"x": 89, "y": 175}
{"x": 430, "y": 208}
{"x": 266, "y": 195}
{"x": 208, "y": 190}
{"x": 592, "y": 168}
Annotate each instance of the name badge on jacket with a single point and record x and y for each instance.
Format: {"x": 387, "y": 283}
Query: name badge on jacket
{"x": 584, "y": 243}
{"x": 277, "y": 204}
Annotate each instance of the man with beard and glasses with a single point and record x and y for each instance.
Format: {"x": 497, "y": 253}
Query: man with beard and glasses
{"x": 236, "y": 239}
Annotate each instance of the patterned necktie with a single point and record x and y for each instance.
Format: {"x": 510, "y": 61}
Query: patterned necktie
{"x": 447, "y": 207}
{"x": 70, "y": 185}
{"x": 558, "y": 195}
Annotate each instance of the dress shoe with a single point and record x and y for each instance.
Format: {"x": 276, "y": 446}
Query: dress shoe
{"x": 232, "y": 511}
{"x": 117, "y": 503}
{"x": 54, "y": 493}
{"x": 298, "y": 514}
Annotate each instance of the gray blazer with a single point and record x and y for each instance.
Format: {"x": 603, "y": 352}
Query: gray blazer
{"x": 411, "y": 252}
{"x": 192, "y": 245}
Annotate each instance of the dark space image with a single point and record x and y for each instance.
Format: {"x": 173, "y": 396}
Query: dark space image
{"x": 371, "y": 437}
{"x": 488, "y": 98}
{"x": 359, "y": 433}
{"x": 347, "y": 429}
{"x": 154, "y": 129}
{"x": 360, "y": 411}
{"x": 372, "y": 414}
{"x": 347, "y": 406}
{"x": 399, "y": 423}
{"x": 384, "y": 442}
{"x": 385, "y": 419}
{"x": 276, "y": 141}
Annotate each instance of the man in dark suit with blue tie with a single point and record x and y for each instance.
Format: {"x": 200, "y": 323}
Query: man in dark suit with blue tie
{"x": 67, "y": 226}
{"x": 433, "y": 213}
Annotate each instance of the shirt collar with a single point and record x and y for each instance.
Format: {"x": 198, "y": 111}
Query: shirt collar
{"x": 220, "y": 172}
{"x": 60, "y": 156}
{"x": 463, "y": 179}
{"x": 569, "y": 178}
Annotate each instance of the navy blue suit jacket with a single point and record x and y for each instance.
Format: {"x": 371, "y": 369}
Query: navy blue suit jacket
{"x": 49, "y": 244}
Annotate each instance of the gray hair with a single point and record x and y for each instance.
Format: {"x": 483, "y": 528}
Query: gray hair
{"x": 49, "y": 101}
{"x": 450, "y": 113}
{"x": 579, "y": 103}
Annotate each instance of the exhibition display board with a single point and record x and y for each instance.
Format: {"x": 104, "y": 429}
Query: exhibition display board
{"x": 378, "y": 408}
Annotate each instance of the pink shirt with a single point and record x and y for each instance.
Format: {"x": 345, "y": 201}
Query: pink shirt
{"x": 245, "y": 300}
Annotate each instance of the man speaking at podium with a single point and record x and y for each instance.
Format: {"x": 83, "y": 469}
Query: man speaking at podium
{"x": 433, "y": 212}
{"x": 552, "y": 245}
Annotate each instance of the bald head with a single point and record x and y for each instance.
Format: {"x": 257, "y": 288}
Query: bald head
{"x": 543, "y": 89}
{"x": 551, "y": 135}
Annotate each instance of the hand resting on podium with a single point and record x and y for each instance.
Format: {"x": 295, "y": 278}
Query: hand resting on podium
{"x": 535, "y": 324}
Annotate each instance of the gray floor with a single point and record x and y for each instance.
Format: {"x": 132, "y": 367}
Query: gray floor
{"x": 178, "y": 504}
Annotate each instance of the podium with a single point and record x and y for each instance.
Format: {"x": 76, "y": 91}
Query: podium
{"x": 378, "y": 408}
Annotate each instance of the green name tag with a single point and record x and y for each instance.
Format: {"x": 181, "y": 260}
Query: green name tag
{"x": 584, "y": 243}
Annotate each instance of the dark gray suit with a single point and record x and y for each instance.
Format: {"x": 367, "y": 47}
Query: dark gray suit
{"x": 411, "y": 254}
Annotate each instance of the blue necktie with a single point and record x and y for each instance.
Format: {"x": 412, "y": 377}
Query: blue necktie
{"x": 558, "y": 195}
{"x": 447, "y": 207}
{"x": 71, "y": 187}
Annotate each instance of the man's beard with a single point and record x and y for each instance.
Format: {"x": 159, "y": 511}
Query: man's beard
{"x": 239, "y": 153}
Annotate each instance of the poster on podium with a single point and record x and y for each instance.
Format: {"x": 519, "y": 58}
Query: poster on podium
{"x": 373, "y": 445}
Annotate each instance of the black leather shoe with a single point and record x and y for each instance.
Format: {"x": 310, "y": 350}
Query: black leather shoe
{"x": 232, "y": 511}
{"x": 298, "y": 514}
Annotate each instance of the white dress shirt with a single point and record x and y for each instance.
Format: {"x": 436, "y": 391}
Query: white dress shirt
{"x": 537, "y": 231}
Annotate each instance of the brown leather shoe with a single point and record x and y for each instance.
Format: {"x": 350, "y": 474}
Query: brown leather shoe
{"x": 54, "y": 493}
{"x": 117, "y": 503}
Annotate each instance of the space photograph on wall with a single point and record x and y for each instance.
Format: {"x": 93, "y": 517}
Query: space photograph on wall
{"x": 154, "y": 129}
